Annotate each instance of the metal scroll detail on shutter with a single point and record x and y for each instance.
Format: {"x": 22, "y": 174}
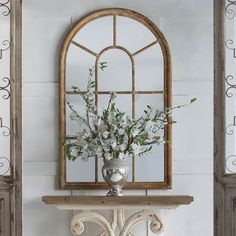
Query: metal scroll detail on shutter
{"x": 230, "y": 87}
{"x": 4, "y": 7}
{"x": 4, "y": 91}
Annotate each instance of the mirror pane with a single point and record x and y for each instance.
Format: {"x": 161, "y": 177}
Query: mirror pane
{"x": 97, "y": 34}
{"x": 149, "y": 69}
{"x": 73, "y": 126}
{"x": 78, "y": 63}
{"x": 117, "y": 76}
{"x": 154, "y": 163}
{"x": 80, "y": 170}
{"x": 123, "y": 103}
{"x": 142, "y": 100}
{"x": 132, "y": 35}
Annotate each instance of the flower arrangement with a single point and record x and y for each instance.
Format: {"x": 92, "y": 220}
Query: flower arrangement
{"x": 113, "y": 134}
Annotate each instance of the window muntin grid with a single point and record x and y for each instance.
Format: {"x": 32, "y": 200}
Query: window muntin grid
{"x": 73, "y": 40}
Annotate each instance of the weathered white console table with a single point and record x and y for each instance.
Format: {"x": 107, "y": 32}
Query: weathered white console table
{"x": 147, "y": 207}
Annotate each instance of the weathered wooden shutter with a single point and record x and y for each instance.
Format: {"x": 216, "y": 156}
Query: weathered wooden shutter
{"x": 10, "y": 118}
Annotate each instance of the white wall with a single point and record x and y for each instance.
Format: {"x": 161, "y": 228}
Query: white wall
{"x": 188, "y": 27}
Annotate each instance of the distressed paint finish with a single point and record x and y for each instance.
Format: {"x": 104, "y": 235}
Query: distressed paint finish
{"x": 218, "y": 118}
{"x": 224, "y": 185}
{"x": 5, "y": 208}
{"x": 10, "y": 186}
{"x": 78, "y": 220}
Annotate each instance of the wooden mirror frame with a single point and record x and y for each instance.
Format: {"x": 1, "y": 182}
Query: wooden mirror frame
{"x": 62, "y": 108}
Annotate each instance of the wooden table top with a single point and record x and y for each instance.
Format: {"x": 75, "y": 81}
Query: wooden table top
{"x": 80, "y": 202}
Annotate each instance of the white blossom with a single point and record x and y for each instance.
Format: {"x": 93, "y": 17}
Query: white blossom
{"x": 85, "y": 135}
{"x": 113, "y": 144}
{"x": 73, "y": 116}
{"x": 108, "y": 156}
{"x": 135, "y": 132}
{"x": 152, "y": 128}
{"x": 121, "y": 131}
{"x": 74, "y": 151}
{"x": 105, "y": 134}
{"x": 90, "y": 95}
{"x": 136, "y": 148}
{"x": 85, "y": 146}
{"x": 122, "y": 155}
{"x": 123, "y": 147}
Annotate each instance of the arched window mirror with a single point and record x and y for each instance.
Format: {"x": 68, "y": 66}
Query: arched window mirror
{"x": 139, "y": 71}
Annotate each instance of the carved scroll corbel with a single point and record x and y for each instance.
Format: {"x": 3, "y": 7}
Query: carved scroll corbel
{"x": 156, "y": 223}
{"x": 121, "y": 221}
{"x": 77, "y": 223}
{"x": 113, "y": 221}
{"x": 117, "y": 218}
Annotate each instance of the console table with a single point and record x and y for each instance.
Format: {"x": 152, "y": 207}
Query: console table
{"x": 147, "y": 207}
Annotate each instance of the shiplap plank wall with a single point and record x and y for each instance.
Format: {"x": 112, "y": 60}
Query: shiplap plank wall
{"x": 188, "y": 27}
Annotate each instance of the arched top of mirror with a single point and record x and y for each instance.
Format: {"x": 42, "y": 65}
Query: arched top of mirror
{"x": 139, "y": 69}
{"x": 105, "y": 28}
